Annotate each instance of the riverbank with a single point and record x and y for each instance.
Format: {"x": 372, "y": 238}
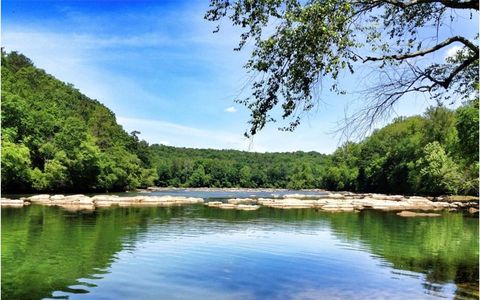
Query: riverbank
{"x": 320, "y": 200}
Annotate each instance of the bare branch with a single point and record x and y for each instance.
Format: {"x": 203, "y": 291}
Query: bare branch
{"x": 445, "y": 43}
{"x": 446, "y": 82}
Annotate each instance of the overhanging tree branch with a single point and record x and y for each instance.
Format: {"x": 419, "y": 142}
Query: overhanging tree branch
{"x": 322, "y": 38}
{"x": 445, "y": 43}
{"x": 448, "y": 80}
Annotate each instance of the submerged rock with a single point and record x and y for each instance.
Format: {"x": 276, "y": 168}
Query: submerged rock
{"x": 78, "y": 208}
{"x": 473, "y": 210}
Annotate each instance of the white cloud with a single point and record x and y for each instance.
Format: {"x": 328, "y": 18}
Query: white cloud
{"x": 157, "y": 132}
{"x": 231, "y": 109}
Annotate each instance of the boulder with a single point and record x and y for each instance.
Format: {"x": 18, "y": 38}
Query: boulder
{"x": 39, "y": 198}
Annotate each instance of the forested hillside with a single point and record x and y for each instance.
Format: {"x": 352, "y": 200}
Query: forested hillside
{"x": 56, "y": 139}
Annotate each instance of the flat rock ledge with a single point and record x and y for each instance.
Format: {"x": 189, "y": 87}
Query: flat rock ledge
{"x": 82, "y": 202}
{"x": 234, "y": 206}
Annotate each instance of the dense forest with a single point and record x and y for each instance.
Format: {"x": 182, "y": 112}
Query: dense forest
{"x": 56, "y": 139}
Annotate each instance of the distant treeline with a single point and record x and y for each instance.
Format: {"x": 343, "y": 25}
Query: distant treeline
{"x": 56, "y": 139}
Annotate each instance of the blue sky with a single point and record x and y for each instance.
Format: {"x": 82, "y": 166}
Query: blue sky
{"x": 163, "y": 72}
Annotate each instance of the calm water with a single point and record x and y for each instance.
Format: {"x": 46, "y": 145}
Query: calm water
{"x": 197, "y": 252}
{"x": 208, "y": 195}
{"x": 224, "y": 194}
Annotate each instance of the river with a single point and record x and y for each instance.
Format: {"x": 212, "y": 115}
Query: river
{"x": 197, "y": 252}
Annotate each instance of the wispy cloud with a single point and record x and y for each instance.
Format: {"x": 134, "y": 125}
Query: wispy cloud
{"x": 231, "y": 109}
{"x": 155, "y": 131}
{"x": 269, "y": 140}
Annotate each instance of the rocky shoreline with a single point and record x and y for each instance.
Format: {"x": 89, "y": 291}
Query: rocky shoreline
{"x": 326, "y": 201}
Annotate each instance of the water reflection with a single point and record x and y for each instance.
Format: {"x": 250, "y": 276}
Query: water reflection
{"x": 188, "y": 252}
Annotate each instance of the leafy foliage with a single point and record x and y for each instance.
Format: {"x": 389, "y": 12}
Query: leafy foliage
{"x": 437, "y": 171}
{"x": 296, "y": 44}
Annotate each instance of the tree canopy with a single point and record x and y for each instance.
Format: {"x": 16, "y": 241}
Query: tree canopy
{"x": 298, "y": 43}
